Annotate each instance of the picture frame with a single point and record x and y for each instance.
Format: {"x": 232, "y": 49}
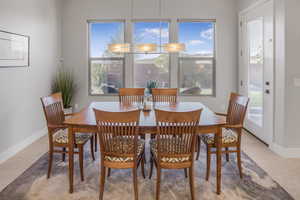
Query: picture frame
{"x": 14, "y": 50}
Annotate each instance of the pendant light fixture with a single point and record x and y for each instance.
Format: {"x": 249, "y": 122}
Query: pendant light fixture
{"x": 170, "y": 47}
{"x": 148, "y": 47}
{"x": 174, "y": 47}
{"x": 119, "y": 48}
{"x": 122, "y": 47}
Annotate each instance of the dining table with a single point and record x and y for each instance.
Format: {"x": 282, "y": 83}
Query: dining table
{"x": 84, "y": 122}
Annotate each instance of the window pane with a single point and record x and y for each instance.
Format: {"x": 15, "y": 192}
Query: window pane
{"x": 102, "y": 34}
{"x": 151, "y": 32}
{"x": 196, "y": 76}
{"x": 255, "y": 71}
{"x": 198, "y": 38}
{"x": 106, "y": 76}
{"x": 151, "y": 67}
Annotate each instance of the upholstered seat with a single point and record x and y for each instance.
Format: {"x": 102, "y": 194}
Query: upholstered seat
{"x": 124, "y": 147}
{"x": 177, "y": 141}
{"x": 61, "y": 137}
{"x": 228, "y": 136}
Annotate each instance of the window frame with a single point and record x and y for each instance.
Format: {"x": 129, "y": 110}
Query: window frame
{"x": 132, "y": 22}
{"x": 128, "y": 59}
{"x": 90, "y": 59}
{"x": 213, "y": 58}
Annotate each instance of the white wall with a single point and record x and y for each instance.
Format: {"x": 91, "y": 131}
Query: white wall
{"x": 74, "y": 34}
{"x": 21, "y": 115}
{"x": 243, "y": 4}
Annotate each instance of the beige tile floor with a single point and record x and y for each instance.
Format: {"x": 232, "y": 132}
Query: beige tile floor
{"x": 285, "y": 171}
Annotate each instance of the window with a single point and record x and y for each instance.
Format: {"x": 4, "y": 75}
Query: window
{"x": 106, "y": 69}
{"x": 197, "y": 63}
{"x": 151, "y": 66}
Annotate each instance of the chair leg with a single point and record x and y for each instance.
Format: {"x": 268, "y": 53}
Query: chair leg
{"x": 208, "y": 158}
{"x": 50, "y": 154}
{"x": 145, "y": 159}
{"x": 227, "y": 154}
{"x": 239, "y": 161}
{"x": 143, "y": 165}
{"x": 192, "y": 183}
{"x": 158, "y": 182}
{"x": 198, "y": 147}
{"x": 135, "y": 183}
{"x": 80, "y": 148}
{"x": 151, "y": 166}
{"x": 92, "y": 148}
{"x": 64, "y": 154}
{"x": 102, "y": 182}
{"x": 185, "y": 172}
{"x": 95, "y": 142}
{"x": 108, "y": 172}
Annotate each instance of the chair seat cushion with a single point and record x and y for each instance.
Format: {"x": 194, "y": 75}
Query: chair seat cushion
{"x": 177, "y": 159}
{"x": 228, "y": 137}
{"x": 61, "y": 137}
{"x": 125, "y": 147}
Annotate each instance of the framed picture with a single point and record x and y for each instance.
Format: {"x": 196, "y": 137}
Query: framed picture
{"x": 14, "y": 50}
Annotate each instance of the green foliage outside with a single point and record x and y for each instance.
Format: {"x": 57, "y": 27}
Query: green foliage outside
{"x": 256, "y": 98}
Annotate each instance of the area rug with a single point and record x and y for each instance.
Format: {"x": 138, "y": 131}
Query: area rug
{"x": 33, "y": 184}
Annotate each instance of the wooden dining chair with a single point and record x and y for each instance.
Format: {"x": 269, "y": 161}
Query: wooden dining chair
{"x": 231, "y": 132}
{"x": 174, "y": 145}
{"x": 120, "y": 145}
{"x": 131, "y": 95}
{"x": 57, "y": 134}
{"x": 164, "y": 95}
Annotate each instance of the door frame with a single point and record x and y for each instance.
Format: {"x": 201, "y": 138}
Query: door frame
{"x": 241, "y": 59}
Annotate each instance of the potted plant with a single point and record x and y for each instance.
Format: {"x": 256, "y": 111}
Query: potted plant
{"x": 151, "y": 84}
{"x": 64, "y": 82}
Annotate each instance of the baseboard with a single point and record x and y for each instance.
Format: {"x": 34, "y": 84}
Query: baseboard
{"x": 10, "y": 152}
{"x": 285, "y": 151}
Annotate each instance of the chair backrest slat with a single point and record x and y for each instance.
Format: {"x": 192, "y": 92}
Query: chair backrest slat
{"x": 237, "y": 109}
{"x": 53, "y": 110}
{"x": 176, "y": 133}
{"x": 165, "y": 95}
{"x": 131, "y": 95}
{"x": 117, "y": 129}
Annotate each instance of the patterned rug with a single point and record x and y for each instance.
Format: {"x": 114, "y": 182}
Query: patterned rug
{"x": 33, "y": 185}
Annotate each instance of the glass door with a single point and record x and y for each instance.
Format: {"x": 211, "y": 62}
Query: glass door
{"x": 257, "y": 69}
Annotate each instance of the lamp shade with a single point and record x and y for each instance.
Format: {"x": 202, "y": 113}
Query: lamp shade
{"x": 146, "y": 48}
{"x": 119, "y": 47}
{"x": 174, "y": 47}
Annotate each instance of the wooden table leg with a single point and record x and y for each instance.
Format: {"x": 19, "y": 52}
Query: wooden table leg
{"x": 71, "y": 158}
{"x": 219, "y": 159}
